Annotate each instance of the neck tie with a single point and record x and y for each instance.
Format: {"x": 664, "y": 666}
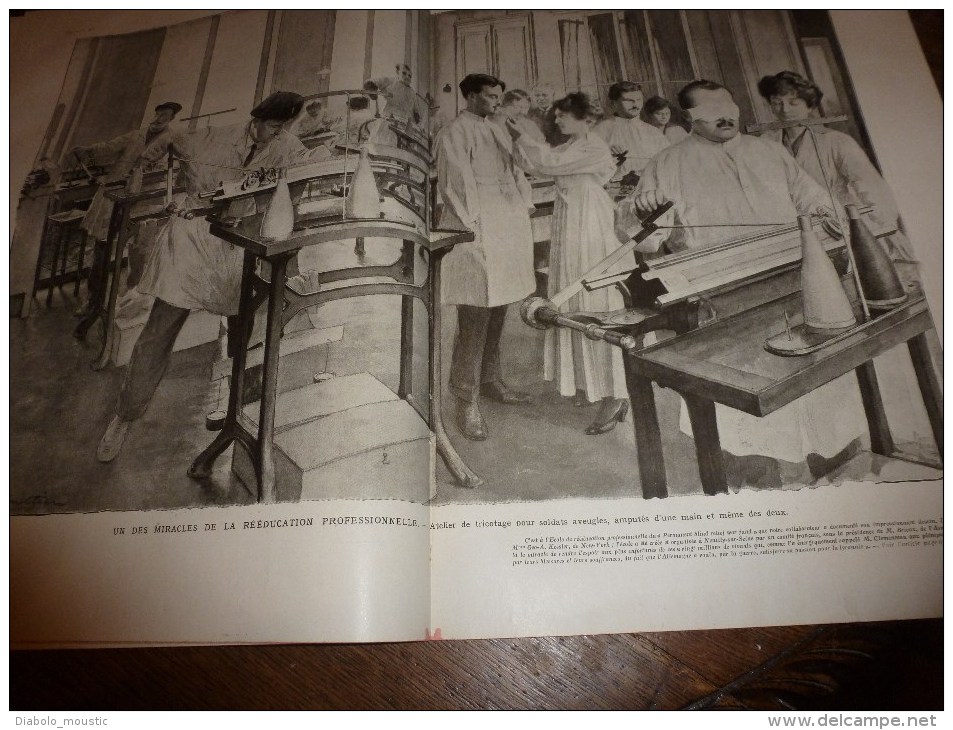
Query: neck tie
{"x": 251, "y": 153}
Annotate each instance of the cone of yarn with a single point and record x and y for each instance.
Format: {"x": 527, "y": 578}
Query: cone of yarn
{"x": 826, "y": 306}
{"x": 363, "y": 199}
{"x": 878, "y": 277}
{"x": 134, "y": 183}
{"x": 279, "y": 219}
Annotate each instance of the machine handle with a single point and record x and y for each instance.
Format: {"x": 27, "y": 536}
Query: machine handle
{"x": 540, "y": 313}
{"x": 648, "y": 228}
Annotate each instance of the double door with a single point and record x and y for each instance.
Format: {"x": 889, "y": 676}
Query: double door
{"x": 499, "y": 47}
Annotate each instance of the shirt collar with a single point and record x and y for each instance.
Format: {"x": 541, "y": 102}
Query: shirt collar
{"x": 729, "y": 145}
{"x": 473, "y": 117}
{"x": 248, "y": 140}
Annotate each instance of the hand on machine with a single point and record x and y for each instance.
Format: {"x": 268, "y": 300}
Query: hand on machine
{"x": 542, "y": 313}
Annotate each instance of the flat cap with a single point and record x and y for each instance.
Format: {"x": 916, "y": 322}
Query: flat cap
{"x": 171, "y": 105}
{"x": 280, "y": 106}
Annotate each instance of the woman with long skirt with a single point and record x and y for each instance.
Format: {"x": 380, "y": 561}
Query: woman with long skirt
{"x": 582, "y": 235}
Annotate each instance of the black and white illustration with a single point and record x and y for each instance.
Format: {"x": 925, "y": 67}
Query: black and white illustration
{"x": 250, "y": 272}
{"x": 718, "y": 146}
{"x": 462, "y": 257}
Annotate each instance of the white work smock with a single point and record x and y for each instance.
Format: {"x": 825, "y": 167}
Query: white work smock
{"x": 749, "y": 180}
{"x": 837, "y": 162}
{"x": 482, "y": 190}
{"x": 125, "y": 149}
{"x": 189, "y": 267}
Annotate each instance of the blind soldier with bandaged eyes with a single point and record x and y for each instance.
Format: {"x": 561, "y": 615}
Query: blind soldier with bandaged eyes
{"x": 717, "y": 179}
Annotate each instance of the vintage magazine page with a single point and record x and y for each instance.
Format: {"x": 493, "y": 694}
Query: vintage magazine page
{"x": 134, "y": 516}
{"x": 824, "y": 504}
{"x": 392, "y": 325}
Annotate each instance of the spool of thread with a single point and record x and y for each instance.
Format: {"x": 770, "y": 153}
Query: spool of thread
{"x": 134, "y": 183}
{"x": 882, "y": 288}
{"x": 826, "y": 306}
{"x": 279, "y": 220}
{"x": 363, "y": 198}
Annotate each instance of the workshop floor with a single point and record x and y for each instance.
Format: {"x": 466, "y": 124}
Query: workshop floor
{"x": 60, "y": 406}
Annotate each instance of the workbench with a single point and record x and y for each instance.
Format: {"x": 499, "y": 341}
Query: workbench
{"x": 726, "y": 363}
{"x": 283, "y": 304}
{"x": 124, "y": 216}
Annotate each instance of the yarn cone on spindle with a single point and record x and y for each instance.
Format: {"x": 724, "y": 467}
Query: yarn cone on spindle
{"x": 279, "y": 219}
{"x": 878, "y": 277}
{"x": 134, "y": 183}
{"x": 826, "y": 306}
{"x": 363, "y": 199}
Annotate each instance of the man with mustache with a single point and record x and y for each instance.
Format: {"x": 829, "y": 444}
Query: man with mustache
{"x": 724, "y": 185}
{"x": 632, "y": 141}
{"x": 717, "y": 177}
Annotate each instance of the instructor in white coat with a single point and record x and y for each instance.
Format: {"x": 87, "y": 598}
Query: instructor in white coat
{"x": 484, "y": 191}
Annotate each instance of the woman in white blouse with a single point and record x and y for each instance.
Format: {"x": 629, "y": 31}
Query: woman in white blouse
{"x": 582, "y": 235}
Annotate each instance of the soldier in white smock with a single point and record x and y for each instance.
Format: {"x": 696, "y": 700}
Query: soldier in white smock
{"x": 123, "y": 152}
{"x": 717, "y": 177}
{"x": 189, "y": 267}
{"x": 631, "y": 140}
{"x": 482, "y": 190}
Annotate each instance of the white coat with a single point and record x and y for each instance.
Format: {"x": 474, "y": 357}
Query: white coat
{"x": 749, "y": 180}
{"x": 839, "y": 164}
{"x": 482, "y": 190}
{"x": 641, "y": 142}
{"x": 189, "y": 267}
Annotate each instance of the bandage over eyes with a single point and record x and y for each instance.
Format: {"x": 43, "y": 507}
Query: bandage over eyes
{"x": 713, "y": 111}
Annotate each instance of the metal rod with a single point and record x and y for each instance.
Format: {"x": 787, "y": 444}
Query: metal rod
{"x": 795, "y": 123}
{"x": 210, "y": 114}
{"x": 545, "y": 315}
{"x": 168, "y": 177}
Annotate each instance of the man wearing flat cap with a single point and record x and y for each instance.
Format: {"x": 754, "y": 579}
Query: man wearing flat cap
{"x": 189, "y": 268}
{"x": 125, "y": 150}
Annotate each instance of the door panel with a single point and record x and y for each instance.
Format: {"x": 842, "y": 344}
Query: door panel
{"x": 305, "y": 41}
{"x": 513, "y": 61}
{"x": 473, "y": 50}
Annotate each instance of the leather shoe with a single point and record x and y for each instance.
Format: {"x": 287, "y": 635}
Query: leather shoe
{"x": 609, "y": 415}
{"x": 470, "y": 421}
{"x": 500, "y": 393}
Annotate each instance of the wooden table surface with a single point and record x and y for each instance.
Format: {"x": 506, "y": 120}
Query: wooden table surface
{"x": 727, "y": 362}
{"x": 885, "y": 666}
{"x": 880, "y": 666}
